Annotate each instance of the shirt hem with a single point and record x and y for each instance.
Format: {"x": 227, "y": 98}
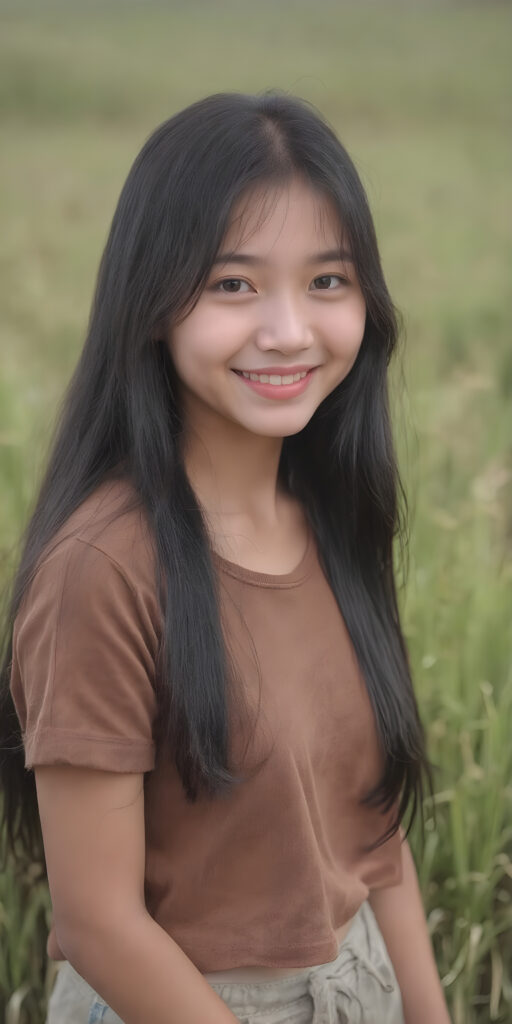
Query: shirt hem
{"x": 320, "y": 952}
{"x": 122, "y": 754}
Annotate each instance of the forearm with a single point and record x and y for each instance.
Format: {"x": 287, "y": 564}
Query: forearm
{"x": 142, "y": 974}
{"x": 401, "y": 919}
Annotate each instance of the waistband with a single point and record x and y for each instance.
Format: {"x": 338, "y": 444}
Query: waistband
{"x": 236, "y": 976}
{"x": 362, "y": 959}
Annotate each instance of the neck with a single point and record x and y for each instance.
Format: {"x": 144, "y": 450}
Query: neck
{"x": 235, "y": 478}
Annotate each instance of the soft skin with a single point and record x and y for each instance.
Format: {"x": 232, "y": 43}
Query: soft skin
{"x": 288, "y": 308}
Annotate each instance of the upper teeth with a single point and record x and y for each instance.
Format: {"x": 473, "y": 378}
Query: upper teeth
{"x": 274, "y": 378}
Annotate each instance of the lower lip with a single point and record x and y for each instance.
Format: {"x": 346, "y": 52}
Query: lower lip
{"x": 278, "y": 391}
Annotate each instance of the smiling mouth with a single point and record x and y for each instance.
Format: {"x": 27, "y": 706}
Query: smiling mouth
{"x": 276, "y": 379}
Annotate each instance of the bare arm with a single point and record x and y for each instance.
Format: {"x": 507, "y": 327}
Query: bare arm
{"x": 144, "y": 975}
{"x": 401, "y": 919}
{"x": 93, "y": 832}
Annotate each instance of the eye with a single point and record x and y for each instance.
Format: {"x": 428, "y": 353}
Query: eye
{"x": 325, "y": 281}
{"x": 232, "y": 285}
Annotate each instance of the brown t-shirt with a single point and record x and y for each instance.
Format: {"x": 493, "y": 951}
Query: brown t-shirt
{"x": 265, "y": 875}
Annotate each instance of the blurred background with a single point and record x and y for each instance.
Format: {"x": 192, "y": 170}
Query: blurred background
{"x": 420, "y": 94}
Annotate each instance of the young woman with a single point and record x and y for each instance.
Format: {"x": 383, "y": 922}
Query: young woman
{"x": 207, "y": 676}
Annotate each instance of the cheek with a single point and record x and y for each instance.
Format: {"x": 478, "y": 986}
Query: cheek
{"x": 346, "y": 331}
{"x": 188, "y": 348}
{"x": 199, "y": 358}
{"x": 204, "y": 342}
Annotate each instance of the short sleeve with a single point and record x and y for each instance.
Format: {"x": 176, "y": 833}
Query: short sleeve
{"x": 82, "y": 677}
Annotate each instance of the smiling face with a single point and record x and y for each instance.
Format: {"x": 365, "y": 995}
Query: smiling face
{"x": 282, "y": 299}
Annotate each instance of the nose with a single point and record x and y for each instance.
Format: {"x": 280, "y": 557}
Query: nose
{"x": 285, "y": 327}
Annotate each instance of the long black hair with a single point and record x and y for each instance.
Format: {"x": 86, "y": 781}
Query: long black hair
{"x": 121, "y": 417}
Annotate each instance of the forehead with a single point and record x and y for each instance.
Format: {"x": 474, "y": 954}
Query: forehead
{"x": 287, "y": 214}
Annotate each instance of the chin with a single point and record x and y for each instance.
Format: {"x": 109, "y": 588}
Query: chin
{"x": 281, "y": 430}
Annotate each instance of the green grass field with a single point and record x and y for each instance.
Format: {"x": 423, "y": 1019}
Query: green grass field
{"x": 420, "y": 93}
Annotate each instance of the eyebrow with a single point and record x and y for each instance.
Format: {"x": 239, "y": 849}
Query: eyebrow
{"x": 318, "y": 257}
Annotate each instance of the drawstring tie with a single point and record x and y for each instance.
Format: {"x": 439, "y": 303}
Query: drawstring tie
{"x": 334, "y": 991}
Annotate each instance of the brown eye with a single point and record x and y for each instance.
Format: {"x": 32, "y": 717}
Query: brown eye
{"x": 324, "y": 282}
{"x": 230, "y": 285}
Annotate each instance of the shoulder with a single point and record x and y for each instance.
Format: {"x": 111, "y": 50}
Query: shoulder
{"x": 100, "y": 563}
{"x": 109, "y": 532}
{"x": 94, "y": 583}
{"x": 86, "y": 641}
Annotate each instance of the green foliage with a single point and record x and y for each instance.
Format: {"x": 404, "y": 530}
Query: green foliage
{"x": 419, "y": 92}
{"x": 26, "y": 975}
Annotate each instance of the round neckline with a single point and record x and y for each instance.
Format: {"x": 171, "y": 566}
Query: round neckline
{"x": 265, "y": 579}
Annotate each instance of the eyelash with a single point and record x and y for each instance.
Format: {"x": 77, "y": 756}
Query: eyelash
{"x": 217, "y": 286}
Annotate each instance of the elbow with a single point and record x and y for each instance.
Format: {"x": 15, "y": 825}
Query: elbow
{"x": 75, "y": 939}
{"x": 81, "y": 940}
{"x": 71, "y": 939}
